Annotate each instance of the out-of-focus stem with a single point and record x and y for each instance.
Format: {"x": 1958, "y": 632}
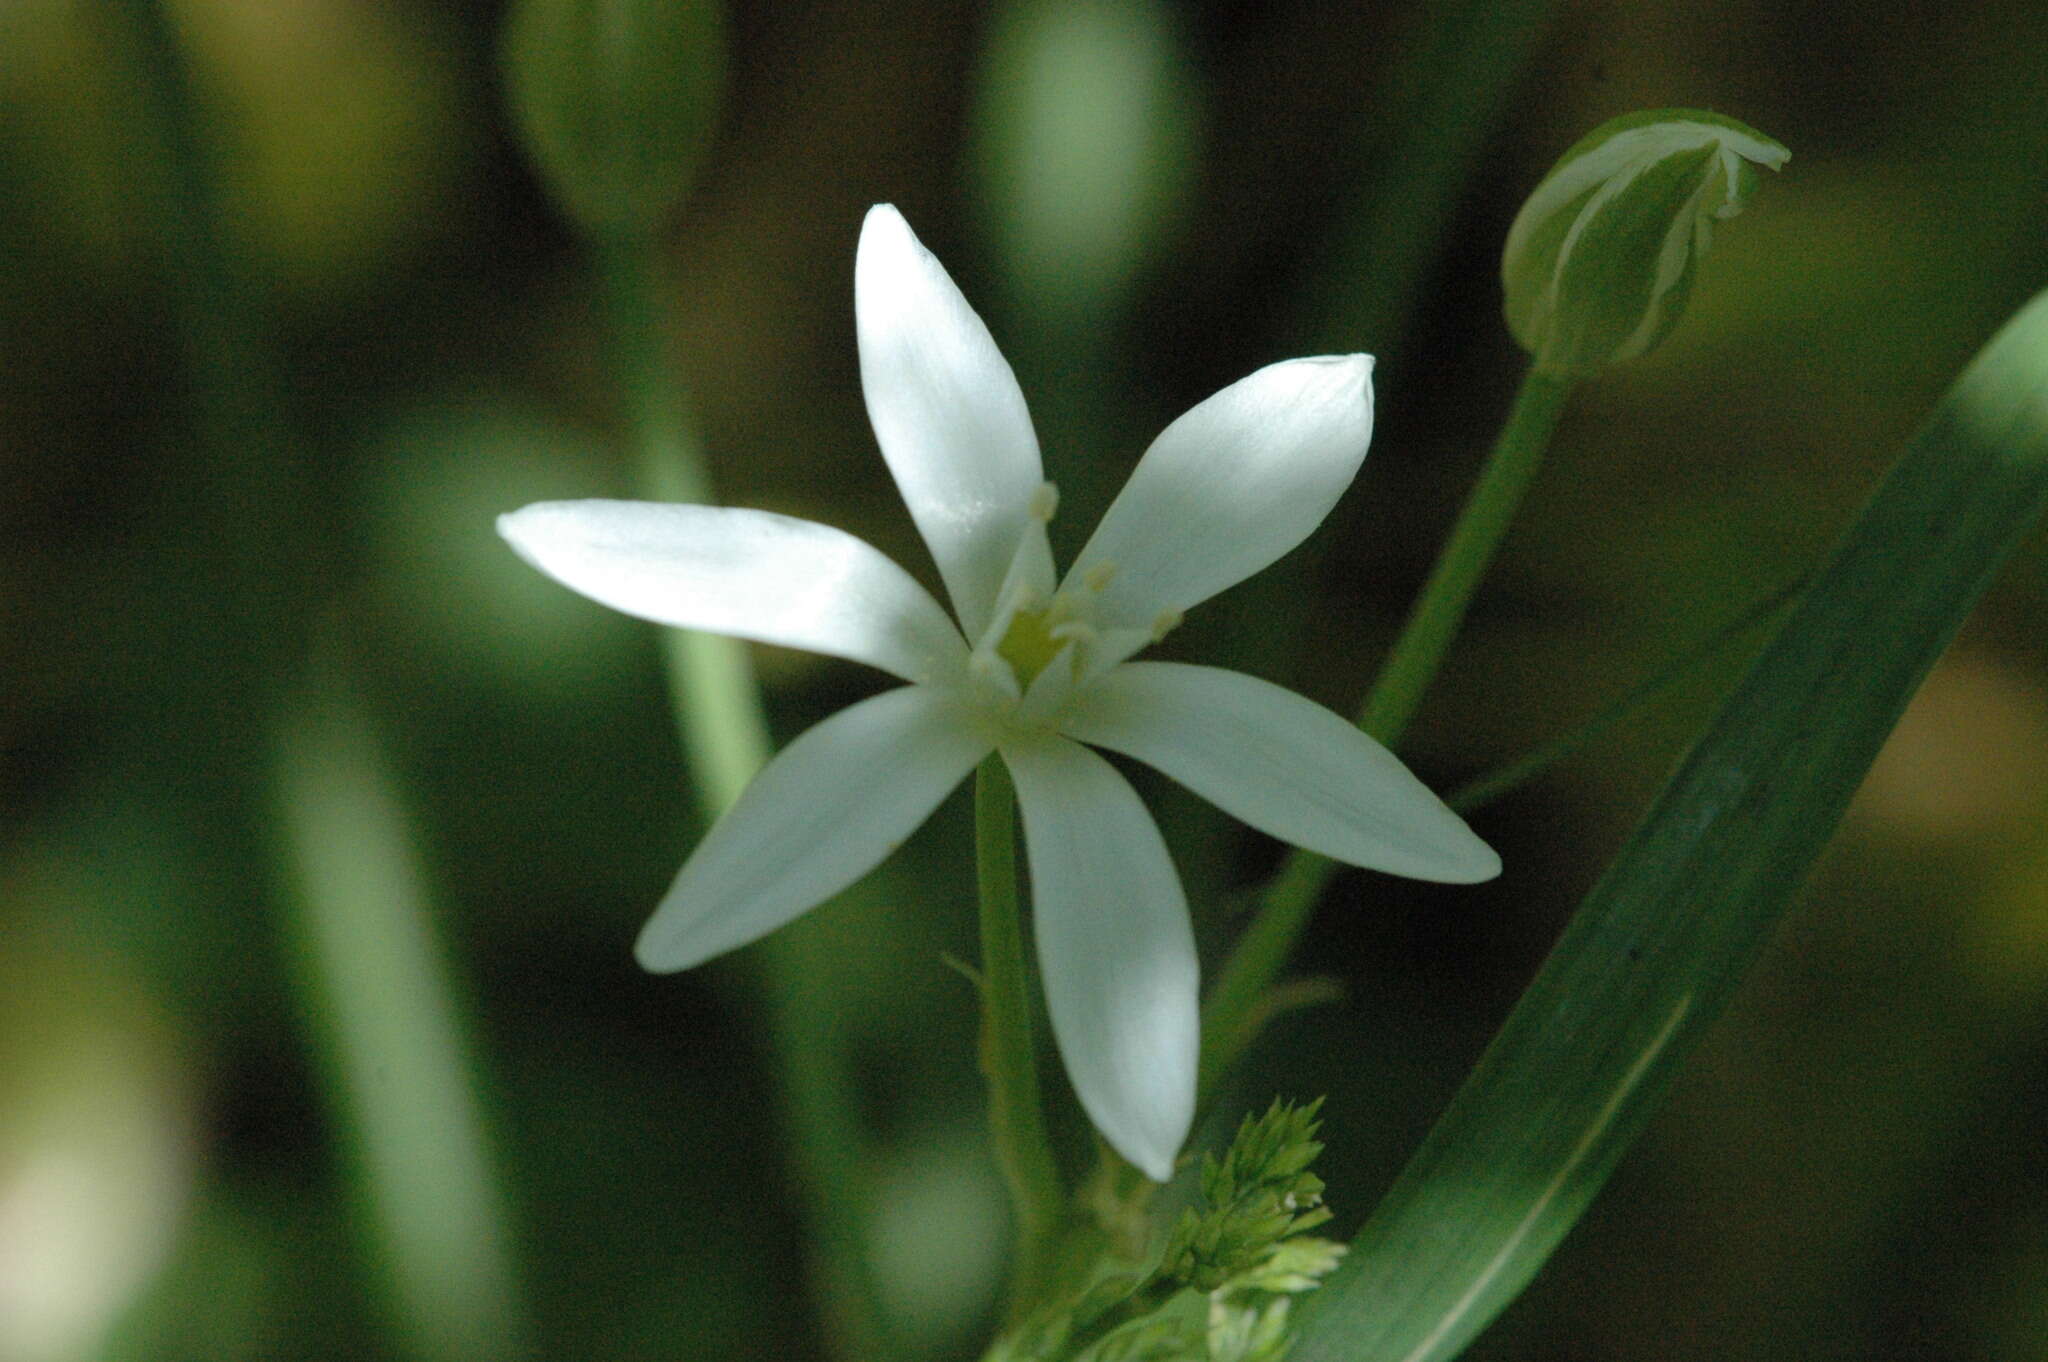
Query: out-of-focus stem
{"x": 1529, "y": 765}
{"x": 716, "y": 697}
{"x": 388, "y": 1032}
{"x": 724, "y": 732}
{"x": 1232, "y": 1012}
{"x": 1438, "y": 106}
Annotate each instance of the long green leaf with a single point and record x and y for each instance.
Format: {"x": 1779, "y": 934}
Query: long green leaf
{"x": 1662, "y": 940}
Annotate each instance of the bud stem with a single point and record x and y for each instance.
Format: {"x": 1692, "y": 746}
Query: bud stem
{"x": 1419, "y": 652}
{"x": 717, "y": 701}
{"x": 1234, "y": 1011}
{"x": 717, "y": 707}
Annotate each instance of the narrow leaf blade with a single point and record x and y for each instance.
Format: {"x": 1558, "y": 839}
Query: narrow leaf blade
{"x": 1660, "y": 943}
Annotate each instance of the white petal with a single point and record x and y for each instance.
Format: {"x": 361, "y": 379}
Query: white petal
{"x": 1115, "y": 948}
{"x": 1231, "y": 486}
{"x": 824, "y": 812}
{"x": 1283, "y": 764}
{"x": 750, "y": 574}
{"x": 947, "y": 413}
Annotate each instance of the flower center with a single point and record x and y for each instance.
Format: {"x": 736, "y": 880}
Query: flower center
{"x": 1030, "y": 644}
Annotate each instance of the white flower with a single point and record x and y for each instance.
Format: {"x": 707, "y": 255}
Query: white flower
{"x": 1035, "y": 667}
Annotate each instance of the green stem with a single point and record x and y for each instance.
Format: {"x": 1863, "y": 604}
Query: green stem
{"x": 1229, "y": 1017}
{"x": 724, "y": 732}
{"x": 716, "y": 698}
{"x": 1499, "y": 781}
{"x": 1439, "y": 611}
{"x": 233, "y": 377}
{"x": 1009, "y": 1060}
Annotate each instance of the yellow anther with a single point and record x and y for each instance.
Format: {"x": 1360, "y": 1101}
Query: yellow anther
{"x": 1165, "y": 622}
{"x": 1099, "y": 577}
{"x": 1045, "y": 500}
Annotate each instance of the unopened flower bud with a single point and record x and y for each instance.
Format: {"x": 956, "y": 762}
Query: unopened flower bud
{"x": 1601, "y": 259}
{"x": 615, "y": 101}
{"x": 1085, "y": 137}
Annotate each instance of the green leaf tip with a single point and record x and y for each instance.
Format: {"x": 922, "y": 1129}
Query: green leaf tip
{"x": 1601, "y": 259}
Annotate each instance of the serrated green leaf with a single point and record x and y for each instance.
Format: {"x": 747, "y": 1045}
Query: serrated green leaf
{"x": 1659, "y": 944}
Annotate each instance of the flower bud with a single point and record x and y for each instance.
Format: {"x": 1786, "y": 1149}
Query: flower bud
{"x": 1600, "y": 260}
{"x": 1085, "y": 134}
{"x": 615, "y": 101}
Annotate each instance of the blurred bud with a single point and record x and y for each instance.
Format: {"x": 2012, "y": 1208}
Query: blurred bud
{"x": 1600, "y": 260}
{"x": 615, "y": 100}
{"x": 1085, "y": 132}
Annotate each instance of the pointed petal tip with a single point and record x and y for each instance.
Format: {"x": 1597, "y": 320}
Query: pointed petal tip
{"x": 512, "y": 524}
{"x": 536, "y": 519}
{"x": 1156, "y": 1164}
{"x": 1149, "y": 1138}
{"x": 668, "y": 943}
{"x": 655, "y": 954}
{"x": 1355, "y": 370}
{"x": 521, "y": 528}
{"x": 1473, "y": 863}
{"x": 884, "y": 229}
{"x": 1454, "y": 854}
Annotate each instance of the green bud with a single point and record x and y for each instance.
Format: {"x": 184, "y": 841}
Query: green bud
{"x": 1601, "y": 259}
{"x": 1086, "y": 127}
{"x": 615, "y": 101}
{"x": 1257, "y": 1195}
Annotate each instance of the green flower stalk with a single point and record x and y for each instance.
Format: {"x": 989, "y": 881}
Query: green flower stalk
{"x": 1600, "y": 261}
{"x": 615, "y": 100}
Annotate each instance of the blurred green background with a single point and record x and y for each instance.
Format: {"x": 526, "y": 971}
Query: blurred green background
{"x": 248, "y": 469}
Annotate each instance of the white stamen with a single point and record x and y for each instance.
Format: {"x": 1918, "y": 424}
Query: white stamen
{"x": 1074, "y": 631}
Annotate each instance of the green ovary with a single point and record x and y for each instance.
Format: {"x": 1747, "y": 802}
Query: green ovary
{"x": 1028, "y": 645}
